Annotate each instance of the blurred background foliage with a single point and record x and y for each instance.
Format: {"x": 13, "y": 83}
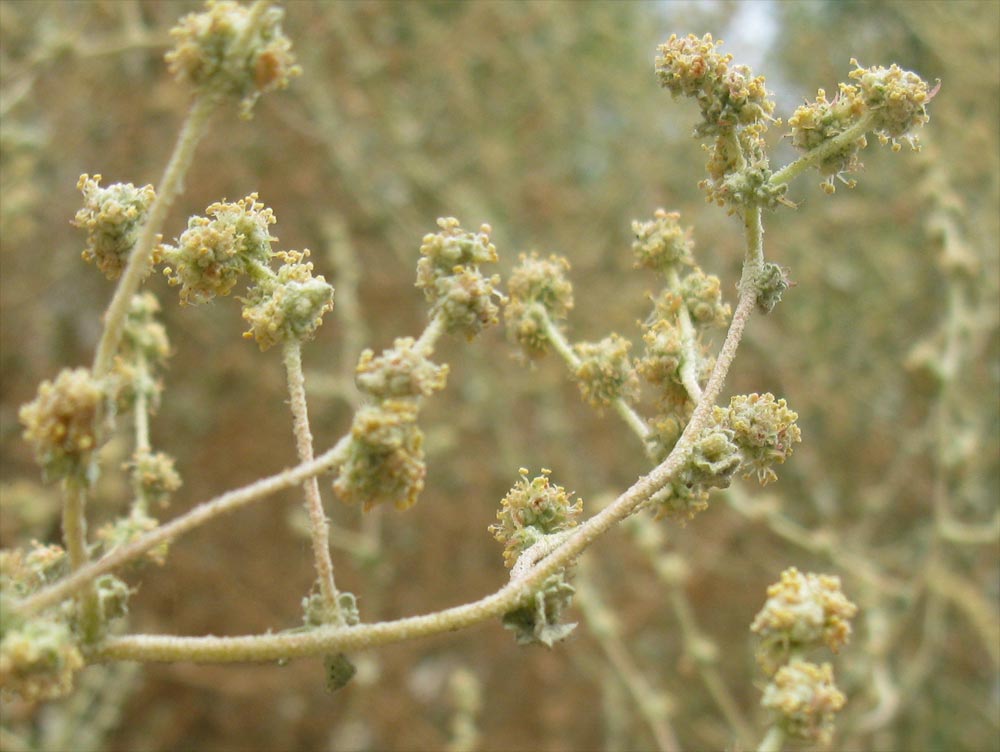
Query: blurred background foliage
{"x": 543, "y": 119}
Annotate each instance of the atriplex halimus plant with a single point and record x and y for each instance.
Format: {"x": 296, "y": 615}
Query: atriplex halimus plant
{"x": 59, "y": 602}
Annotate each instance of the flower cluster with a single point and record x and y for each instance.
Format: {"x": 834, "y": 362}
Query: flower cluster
{"x": 154, "y": 476}
{"x": 385, "y": 461}
{"x": 735, "y": 111}
{"x": 141, "y": 356}
{"x": 448, "y": 273}
{"x": 532, "y": 510}
{"x": 662, "y": 244}
{"x": 288, "y": 305}
{"x": 403, "y": 371}
{"x": 890, "y": 102}
{"x": 606, "y": 373}
{"x": 538, "y": 288}
{"x": 713, "y": 460}
{"x": 804, "y": 700}
{"x": 675, "y": 360}
{"x": 112, "y": 217}
{"x": 764, "y": 429}
{"x": 802, "y": 612}
{"x": 215, "y": 250}
{"x": 232, "y": 50}
{"x": 39, "y": 659}
{"x": 727, "y": 94}
{"x": 60, "y": 423}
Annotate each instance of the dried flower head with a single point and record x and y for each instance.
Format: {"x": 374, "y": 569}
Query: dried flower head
{"x": 112, "y": 217}
{"x": 233, "y": 50}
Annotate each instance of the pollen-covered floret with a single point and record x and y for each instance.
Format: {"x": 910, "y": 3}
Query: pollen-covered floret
{"x": 897, "y": 99}
{"x": 765, "y": 431}
{"x": 606, "y": 372}
{"x": 60, "y": 422}
{"x": 702, "y": 295}
{"x": 289, "y": 305}
{"x": 154, "y": 476}
{"x": 531, "y": 510}
{"x": 112, "y": 217}
{"x": 385, "y": 460}
{"x": 537, "y": 287}
{"x": 403, "y": 371}
{"x": 233, "y": 50}
{"x": 804, "y": 700}
{"x": 662, "y": 244}
{"x": 802, "y": 611}
{"x": 215, "y": 250}
{"x": 816, "y": 123}
{"x": 39, "y": 659}
{"x": 728, "y": 95}
{"x": 448, "y": 273}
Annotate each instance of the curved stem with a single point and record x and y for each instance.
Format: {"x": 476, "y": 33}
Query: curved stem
{"x": 345, "y": 639}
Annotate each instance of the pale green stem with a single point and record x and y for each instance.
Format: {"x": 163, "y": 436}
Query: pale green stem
{"x": 812, "y": 158}
{"x": 141, "y": 406}
{"x": 773, "y": 741}
{"x": 140, "y": 260}
{"x": 197, "y": 516}
{"x": 565, "y": 350}
{"x": 689, "y": 365}
{"x": 431, "y": 334}
{"x": 74, "y": 523}
{"x": 318, "y": 526}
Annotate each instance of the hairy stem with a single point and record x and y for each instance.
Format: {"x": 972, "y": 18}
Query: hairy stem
{"x": 318, "y": 525}
{"x": 812, "y": 158}
{"x": 74, "y": 524}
